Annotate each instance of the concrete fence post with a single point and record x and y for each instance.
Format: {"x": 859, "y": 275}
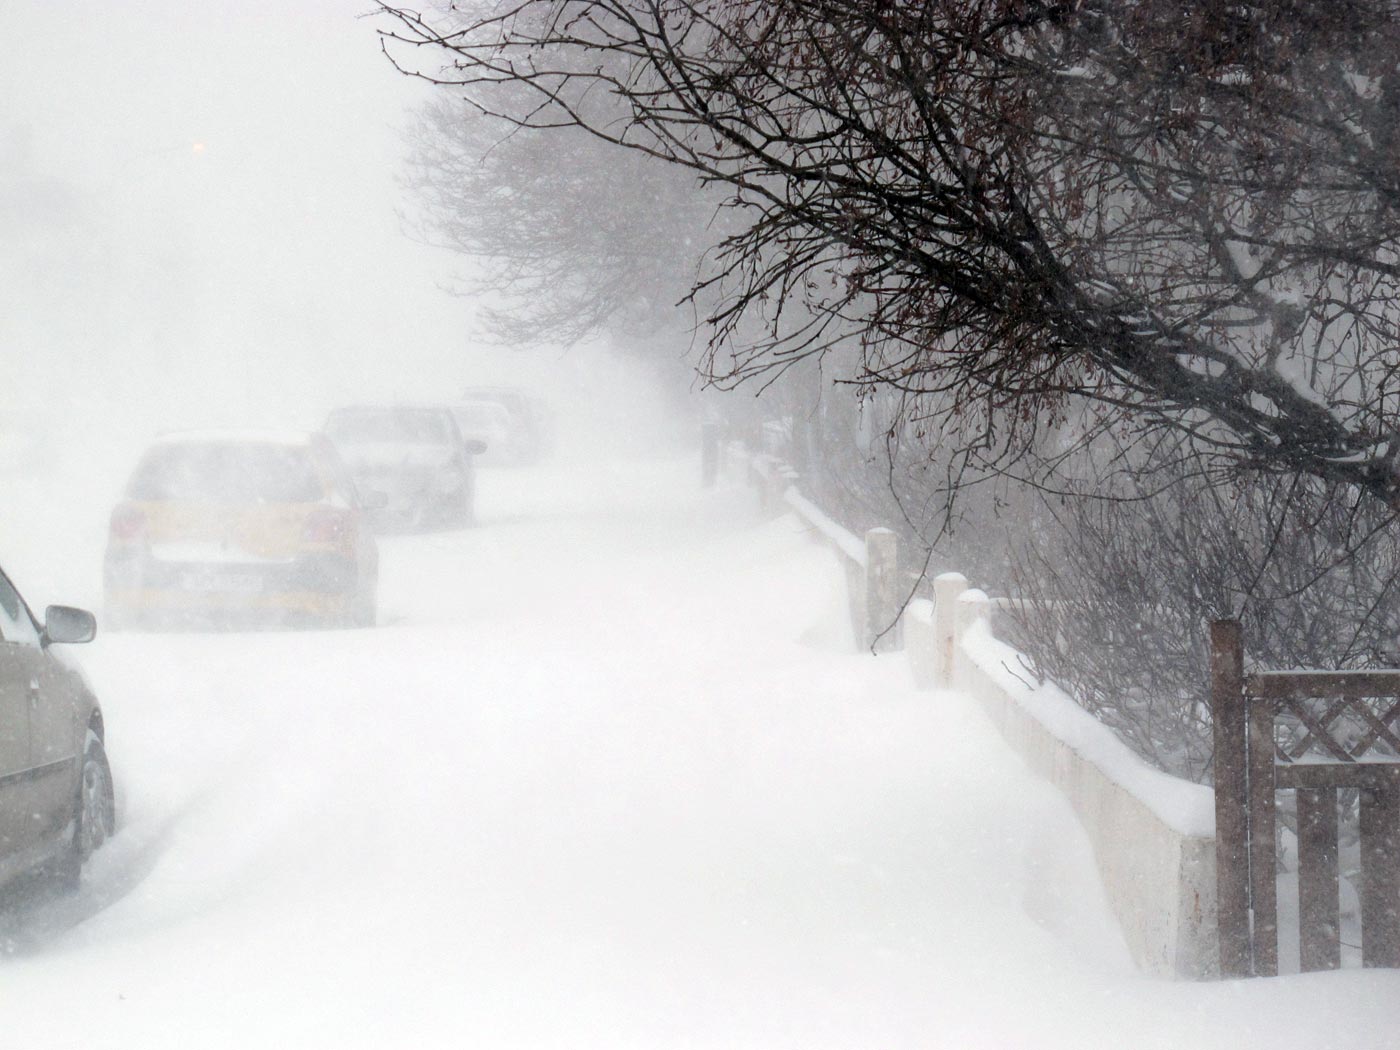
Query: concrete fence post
{"x": 882, "y": 597}
{"x": 947, "y": 588}
{"x": 709, "y": 454}
{"x": 971, "y": 608}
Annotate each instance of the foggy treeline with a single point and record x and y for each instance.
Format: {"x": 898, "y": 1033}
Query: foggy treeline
{"x": 1094, "y": 303}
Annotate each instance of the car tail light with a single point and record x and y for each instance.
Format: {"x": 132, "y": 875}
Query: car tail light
{"x": 128, "y": 523}
{"x": 325, "y": 526}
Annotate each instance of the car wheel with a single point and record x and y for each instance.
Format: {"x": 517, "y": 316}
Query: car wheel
{"x": 366, "y": 604}
{"x": 468, "y": 518}
{"x": 94, "y": 811}
{"x": 462, "y": 516}
{"x": 465, "y": 510}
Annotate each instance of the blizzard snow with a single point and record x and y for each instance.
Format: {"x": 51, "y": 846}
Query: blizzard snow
{"x": 603, "y": 777}
{"x": 607, "y": 774}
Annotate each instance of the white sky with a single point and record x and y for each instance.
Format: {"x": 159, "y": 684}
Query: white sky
{"x": 198, "y": 227}
{"x": 197, "y": 213}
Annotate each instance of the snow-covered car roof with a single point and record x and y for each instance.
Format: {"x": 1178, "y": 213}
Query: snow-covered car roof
{"x": 478, "y": 410}
{"x": 399, "y": 423}
{"x": 393, "y": 406}
{"x": 236, "y": 436}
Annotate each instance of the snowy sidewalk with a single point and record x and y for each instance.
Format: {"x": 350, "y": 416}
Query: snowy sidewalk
{"x": 602, "y": 780}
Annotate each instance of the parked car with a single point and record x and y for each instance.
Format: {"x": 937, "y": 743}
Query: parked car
{"x": 242, "y": 527}
{"x": 491, "y": 424}
{"x": 57, "y": 803}
{"x": 416, "y": 456}
{"x": 532, "y": 421}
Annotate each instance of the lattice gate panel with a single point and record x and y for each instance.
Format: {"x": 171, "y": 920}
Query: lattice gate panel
{"x": 1330, "y": 737}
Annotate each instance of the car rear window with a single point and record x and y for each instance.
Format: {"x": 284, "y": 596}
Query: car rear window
{"x": 393, "y": 426}
{"x": 481, "y": 414}
{"x": 226, "y": 473}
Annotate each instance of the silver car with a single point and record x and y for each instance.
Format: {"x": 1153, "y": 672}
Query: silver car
{"x": 414, "y": 456}
{"x": 57, "y": 803}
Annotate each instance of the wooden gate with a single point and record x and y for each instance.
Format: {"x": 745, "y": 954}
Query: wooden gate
{"x": 1330, "y": 737}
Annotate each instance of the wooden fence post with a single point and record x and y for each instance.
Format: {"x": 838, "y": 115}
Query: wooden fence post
{"x": 1380, "y": 876}
{"x": 766, "y": 497}
{"x": 1263, "y": 863}
{"x": 882, "y": 598}
{"x": 947, "y": 588}
{"x": 1231, "y": 797}
{"x": 773, "y": 478}
{"x": 1319, "y": 907}
{"x": 709, "y": 454}
{"x": 758, "y": 480}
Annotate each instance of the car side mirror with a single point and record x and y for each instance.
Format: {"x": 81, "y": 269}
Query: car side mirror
{"x": 372, "y": 499}
{"x": 474, "y": 446}
{"x": 63, "y": 623}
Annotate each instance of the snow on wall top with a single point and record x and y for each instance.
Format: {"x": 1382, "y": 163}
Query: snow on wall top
{"x": 1185, "y": 807}
{"x": 845, "y": 541}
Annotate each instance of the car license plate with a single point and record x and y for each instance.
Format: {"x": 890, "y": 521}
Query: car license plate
{"x": 210, "y": 581}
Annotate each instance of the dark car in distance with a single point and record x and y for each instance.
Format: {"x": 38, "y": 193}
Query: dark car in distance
{"x": 531, "y": 427}
{"x": 415, "y": 456}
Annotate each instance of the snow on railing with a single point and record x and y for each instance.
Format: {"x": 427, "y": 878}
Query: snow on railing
{"x": 871, "y": 564}
{"x": 842, "y": 539}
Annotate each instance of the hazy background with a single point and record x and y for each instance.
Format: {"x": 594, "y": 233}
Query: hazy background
{"x": 198, "y": 205}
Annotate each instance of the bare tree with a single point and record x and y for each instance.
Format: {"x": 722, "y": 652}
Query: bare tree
{"x": 1111, "y": 245}
{"x": 570, "y": 236}
{"x": 1122, "y": 587}
{"x": 1187, "y": 216}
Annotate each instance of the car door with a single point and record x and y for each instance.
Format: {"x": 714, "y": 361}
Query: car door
{"x": 20, "y": 662}
{"x": 54, "y": 742}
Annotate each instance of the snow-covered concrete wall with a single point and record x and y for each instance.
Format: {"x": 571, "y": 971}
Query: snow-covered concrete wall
{"x": 920, "y": 642}
{"x": 1153, "y": 834}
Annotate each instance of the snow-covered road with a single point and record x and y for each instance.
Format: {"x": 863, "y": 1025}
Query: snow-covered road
{"x": 603, "y": 777}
